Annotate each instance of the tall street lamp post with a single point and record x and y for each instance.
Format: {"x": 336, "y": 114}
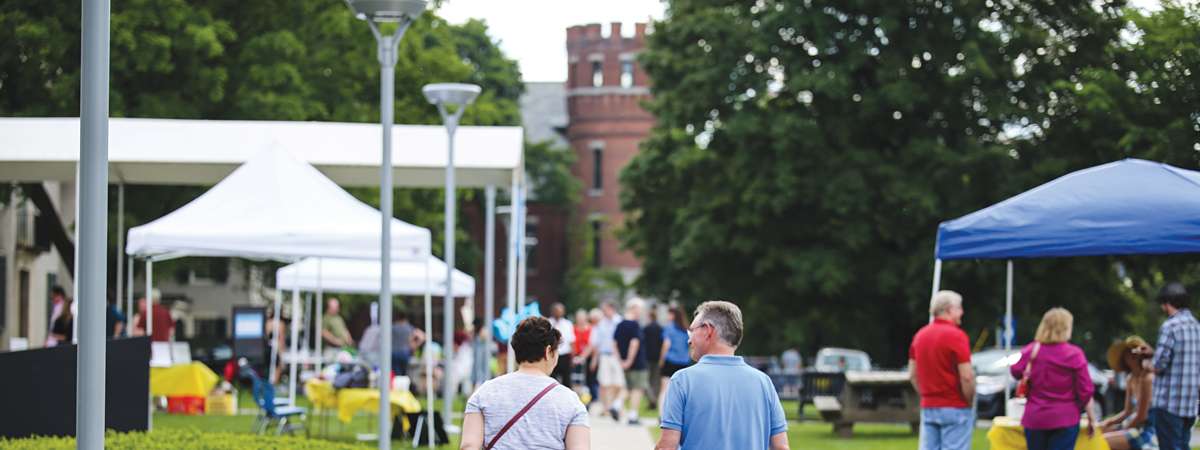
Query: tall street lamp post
{"x": 403, "y": 13}
{"x": 451, "y": 100}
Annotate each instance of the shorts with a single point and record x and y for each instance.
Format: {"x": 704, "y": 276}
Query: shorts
{"x": 669, "y": 368}
{"x": 637, "y": 379}
{"x": 609, "y": 372}
{"x": 1142, "y": 438}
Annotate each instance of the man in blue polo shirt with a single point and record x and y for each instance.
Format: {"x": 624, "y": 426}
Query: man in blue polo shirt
{"x": 721, "y": 403}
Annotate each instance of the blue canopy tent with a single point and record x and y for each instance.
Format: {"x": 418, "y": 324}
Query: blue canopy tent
{"x": 1131, "y": 206}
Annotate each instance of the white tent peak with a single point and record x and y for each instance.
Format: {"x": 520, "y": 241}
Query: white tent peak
{"x": 275, "y": 206}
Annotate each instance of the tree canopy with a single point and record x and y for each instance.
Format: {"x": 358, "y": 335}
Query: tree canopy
{"x": 805, "y": 152}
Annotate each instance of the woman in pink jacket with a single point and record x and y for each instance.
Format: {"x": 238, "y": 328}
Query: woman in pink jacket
{"x": 1059, "y": 386}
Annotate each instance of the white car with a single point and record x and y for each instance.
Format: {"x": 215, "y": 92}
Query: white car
{"x": 833, "y": 359}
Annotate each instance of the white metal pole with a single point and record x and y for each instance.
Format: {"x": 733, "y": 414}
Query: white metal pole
{"x": 937, "y": 282}
{"x": 91, "y": 264}
{"x": 120, "y": 245}
{"x": 511, "y": 285}
{"x": 522, "y": 247}
{"x": 129, "y": 307}
{"x": 277, "y": 319}
{"x": 150, "y": 326}
{"x": 320, "y": 327}
{"x": 489, "y": 264}
{"x": 295, "y": 347}
{"x": 1008, "y": 329}
{"x": 451, "y": 121}
{"x": 428, "y": 352}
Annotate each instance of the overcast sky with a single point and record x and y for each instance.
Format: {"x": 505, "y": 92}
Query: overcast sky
{"x": 534, "y": 32}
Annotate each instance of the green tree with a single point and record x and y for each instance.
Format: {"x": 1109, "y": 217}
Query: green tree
{"x": 806, "y": 151}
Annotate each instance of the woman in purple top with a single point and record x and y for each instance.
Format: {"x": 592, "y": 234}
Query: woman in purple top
{"x": 1059, "y": 385}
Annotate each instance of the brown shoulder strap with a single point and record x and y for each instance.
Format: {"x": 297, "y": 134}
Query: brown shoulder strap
{"x": 519, "y": 414}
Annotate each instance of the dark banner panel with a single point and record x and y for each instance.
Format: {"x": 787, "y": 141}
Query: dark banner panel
{"x": 37, "y": 388}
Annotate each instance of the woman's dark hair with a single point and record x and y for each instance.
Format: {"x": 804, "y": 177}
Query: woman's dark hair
{"x": 478, "y": 324}
{"x": 1174, "y": 294}
{"x": 680, "y": 319}
{"x": 531, "y": 338}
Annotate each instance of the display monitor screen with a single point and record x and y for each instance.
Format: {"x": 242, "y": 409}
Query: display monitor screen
{"x": 248, "y": 324}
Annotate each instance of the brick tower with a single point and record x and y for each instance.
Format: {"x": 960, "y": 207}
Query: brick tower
{"x": 605, "y": 86}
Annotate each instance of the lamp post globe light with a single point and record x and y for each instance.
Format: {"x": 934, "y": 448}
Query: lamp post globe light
{"x": 403, "y": 13}
{"x": 451, "y": 100}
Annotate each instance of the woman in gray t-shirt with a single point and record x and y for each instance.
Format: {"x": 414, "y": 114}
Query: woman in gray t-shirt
{"x": 558, "y": 420}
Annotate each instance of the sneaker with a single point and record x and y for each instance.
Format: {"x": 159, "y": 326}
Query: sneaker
{"x": 615, "y": 413}
{"x": 635, "y": 421}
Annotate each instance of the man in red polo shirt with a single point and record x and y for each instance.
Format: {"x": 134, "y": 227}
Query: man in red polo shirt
{"x": 939, "y": 364}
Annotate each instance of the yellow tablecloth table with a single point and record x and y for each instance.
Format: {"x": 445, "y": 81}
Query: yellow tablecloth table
{"x": 349, "y": 401}
{"x": 193, "y": 379}
{"x": 1007, "y": 434}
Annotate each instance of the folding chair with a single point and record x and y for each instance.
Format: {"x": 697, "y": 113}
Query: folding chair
{"x": 270, "y": 411}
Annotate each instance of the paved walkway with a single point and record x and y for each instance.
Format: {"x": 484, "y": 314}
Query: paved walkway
{"x": 608, "y": 434}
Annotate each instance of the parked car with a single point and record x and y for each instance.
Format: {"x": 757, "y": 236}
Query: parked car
{"x": 992, "y": 376}
{"x": 837, "y": 360}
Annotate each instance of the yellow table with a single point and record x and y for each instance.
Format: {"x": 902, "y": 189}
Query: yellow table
{"x": 193, "y": 380}
{"x": 1007, "y": 434}
{"x": 349, "y": 401}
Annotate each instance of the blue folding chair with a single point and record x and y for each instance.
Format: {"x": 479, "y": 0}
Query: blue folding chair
{"x": 271, "y": 411}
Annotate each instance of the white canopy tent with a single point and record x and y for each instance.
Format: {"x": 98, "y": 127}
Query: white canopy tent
{"x": 274, "y": 207}
{"x": 361, "y": 276}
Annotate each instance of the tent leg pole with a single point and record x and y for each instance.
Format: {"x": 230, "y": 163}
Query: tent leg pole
{"x": 511, "y": 285}
{"x": 937, "y": 282}
{"x": 1008, "y": 319}
{"x": 149, "y": 313}
{"x": 320, "y": 326}
{"x": 120, "y": 245}
{"x": 295, "y": 347}
{"x": 129, "y": 311}
{"x": 428, "y": 356}
{"x": 489, "y": 261}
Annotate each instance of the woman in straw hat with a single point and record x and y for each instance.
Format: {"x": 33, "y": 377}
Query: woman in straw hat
{"x": 1131, "y": 428}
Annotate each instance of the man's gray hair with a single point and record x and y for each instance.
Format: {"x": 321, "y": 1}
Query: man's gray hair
{"x": 634, "y": 303}
{"x": 942, "y": 301}
{"x": 725, "y": 318}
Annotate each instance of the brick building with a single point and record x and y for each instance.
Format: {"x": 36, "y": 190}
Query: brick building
{"x": 606, "y": 123}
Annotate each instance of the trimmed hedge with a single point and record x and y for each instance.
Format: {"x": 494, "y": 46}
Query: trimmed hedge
{"x": 179, "y": 440}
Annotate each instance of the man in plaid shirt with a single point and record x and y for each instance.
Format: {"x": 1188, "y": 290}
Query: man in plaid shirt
{"x": 1177, "y": 365}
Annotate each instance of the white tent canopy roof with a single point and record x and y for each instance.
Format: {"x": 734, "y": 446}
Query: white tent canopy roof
{"x": 359, "y": 276}
{"x": 275, "y": 207}
{"x": 202, "y": 152}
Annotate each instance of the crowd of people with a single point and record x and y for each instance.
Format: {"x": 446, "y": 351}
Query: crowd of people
{"x": 61, "y": 328}
{"x": 1161, "y": 396}
{"x": 708, "y": 397}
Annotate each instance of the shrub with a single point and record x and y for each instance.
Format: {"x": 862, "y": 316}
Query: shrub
{"x": 179, "y": 440}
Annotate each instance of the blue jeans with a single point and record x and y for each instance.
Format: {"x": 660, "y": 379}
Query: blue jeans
{"x": 1055, "y": 439}
{"x": 946, "y": 428}
{"x": 1174, "y": 432}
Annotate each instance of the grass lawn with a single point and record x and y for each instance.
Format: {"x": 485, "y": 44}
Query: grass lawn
{"x": 336, "y": 430}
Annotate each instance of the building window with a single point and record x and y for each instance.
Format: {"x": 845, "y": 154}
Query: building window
{"x": 597, "y": 74}
{"x": 596, "y": 230}
{"x": 626, "y": 74}
{"x": 571, "y": 74}
{"x": 597, "y": 168}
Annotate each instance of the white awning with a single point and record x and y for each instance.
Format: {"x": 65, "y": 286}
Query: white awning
{"x": 202, "y": 152}
{"x": 360, "y": 276}
{"x": 275, "y": 207}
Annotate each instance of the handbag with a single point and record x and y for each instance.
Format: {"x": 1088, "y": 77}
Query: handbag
{"x": 1023, "y": 385}
{"x": 519, "y": 414}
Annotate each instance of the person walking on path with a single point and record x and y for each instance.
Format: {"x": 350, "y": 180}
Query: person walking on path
{"x": 609, "y": 374}
{"x": 628, "y": 339}
{"x": 527, "y": 409}
{"x": 939, "y": 364}
{"x": 1059, "y": 385}
{"x": 674, "y": 350}
{"x": 1177, "y": 368}
{"x": 562, "y": 371}
{"x": 1131, "y": 429}
{"x": 652, "y": 342}
{"x": 721, "y": 403}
